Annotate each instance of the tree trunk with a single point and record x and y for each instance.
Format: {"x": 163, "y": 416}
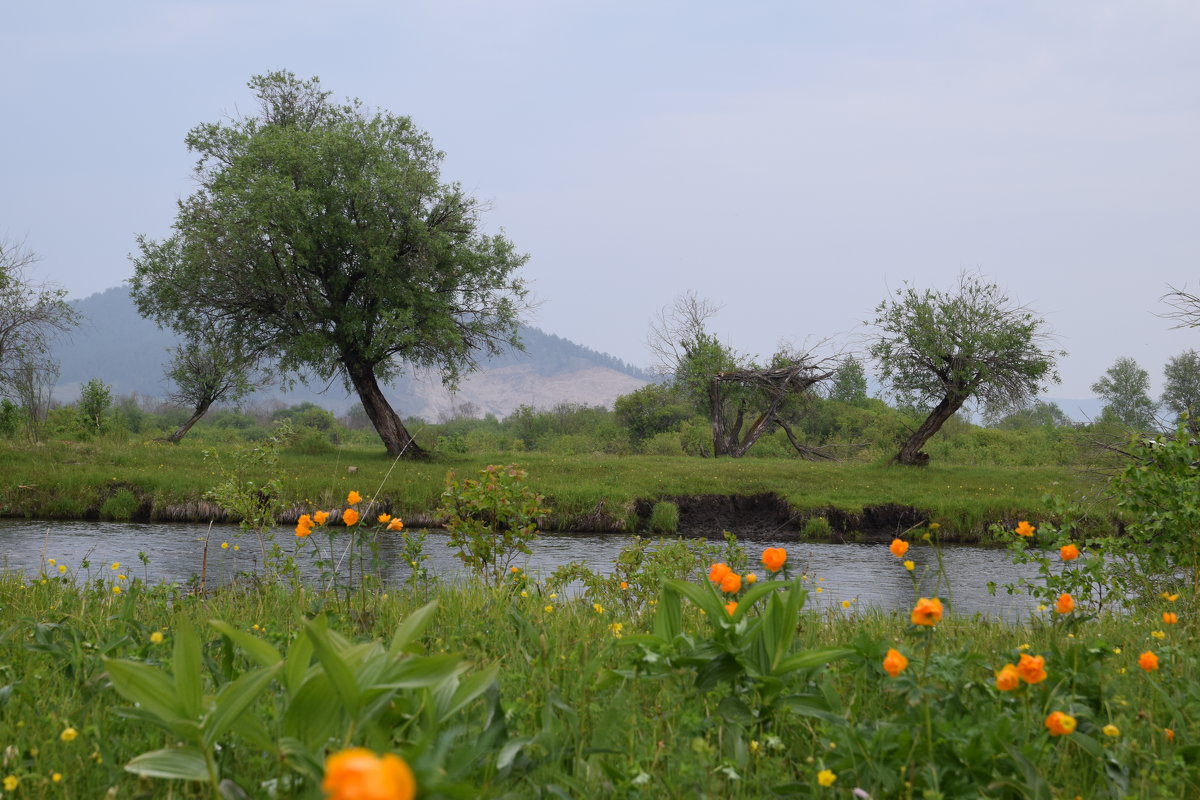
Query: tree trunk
{"x": 720, "y": 440}
{"x": 386, "y": 421}
{"x": 201, "y": 410}
{"x": 910, "y": 452}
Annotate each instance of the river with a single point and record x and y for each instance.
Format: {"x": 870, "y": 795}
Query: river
{"x": 867, "y": 575}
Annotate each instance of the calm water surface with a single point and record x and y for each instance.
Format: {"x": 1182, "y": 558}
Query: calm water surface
{"x": 865, "y": 574}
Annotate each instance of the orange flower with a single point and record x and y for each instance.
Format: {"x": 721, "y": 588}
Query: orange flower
{"x": 321, "y": 517}
{"x": 1008, "y": 678}
{"x": 1024, "y": 529}
{"x": 1170, "y": 734}
{"x": 1032, "y": 669}
{"x": 1065, "y": 604}
{"x": 773, "y": 558}
{"x": 717, "y": 573}
{"x": 350, "y": 517}
{"x": 1148, "y": 661}
{"x": 731, "y": 607}
{"x": 1170, "y": 618}
{"x": 303, "y": 526}
{"x": 898, "y": 547}
{"x": 396, "y": 524}
{"x": 894, "y": 662}
{"x": 352, "y": 498}
{"x": 1068, "y": 552}
{"x": 731, "y": 583}
{"x": 384, "y": 518}
{"x": 359, "y": 774}
{"x": 1060, "y": 724}
{"x": 927, "y": 611}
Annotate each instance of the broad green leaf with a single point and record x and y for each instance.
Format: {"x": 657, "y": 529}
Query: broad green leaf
{"x": 412, "y": 627}
{"x": 299, "y": 659}
{"x": 419, "y": 671}
{"x": 468, "y": 690}
{"x": 734, "y": 710}
{"x": 668, "y": 619}
{"x": 338, "y": 671}
{"x": 176, "y": 763}
{"x": 146, "y": 686}
{"x": 260, "y": 652}
{"x": 703, "y": 596}
{"x": 234, "y": 698}
{"x": 186, "y": 666}
{"x": 315, "y": 714}
{"x": 808, "y": 659}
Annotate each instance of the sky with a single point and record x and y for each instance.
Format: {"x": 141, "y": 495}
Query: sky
{"x": 792, "y": 162}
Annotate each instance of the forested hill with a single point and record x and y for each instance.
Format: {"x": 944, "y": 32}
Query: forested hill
{"x": 121, "y": 348}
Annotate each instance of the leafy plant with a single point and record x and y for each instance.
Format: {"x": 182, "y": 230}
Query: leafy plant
{"x": 491, "y": 519}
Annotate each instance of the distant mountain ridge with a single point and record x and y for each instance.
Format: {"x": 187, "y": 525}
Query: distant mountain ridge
{"x": 115, "y": 344}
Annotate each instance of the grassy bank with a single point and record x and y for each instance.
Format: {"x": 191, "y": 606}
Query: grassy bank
{"x": 71, "y": 480}
{"x": 615, "y": 694}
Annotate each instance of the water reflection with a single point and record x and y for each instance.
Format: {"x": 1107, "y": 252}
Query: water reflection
{"x": 867, "y": 575}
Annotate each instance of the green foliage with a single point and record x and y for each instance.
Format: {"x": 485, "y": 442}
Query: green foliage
{"x": 652, "y": 410}
{"x": 121, "y": 506}
{"x": 1125, "y": 388}
{"x": 664, "y": 518}
{"x": 95, "y": 399}
{"x": 816, "y": 528}
{"x": 849, "y": 384}
{"x": 1181, "y": 388}
{"x": 1041, "y": 414}
{"x": 383, "y": 263}
{"x": 31, "y": 315}
{"x": 251, "y": 487}
{"x": 10, "y": 418}
{"x": 491, "y": 519}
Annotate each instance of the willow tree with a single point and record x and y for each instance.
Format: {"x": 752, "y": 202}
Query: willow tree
{"x": 942, "y": 350}
{"x": 322, "y": 236}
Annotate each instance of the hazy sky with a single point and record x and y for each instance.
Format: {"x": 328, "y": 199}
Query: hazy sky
{"x": 790, "y": 161}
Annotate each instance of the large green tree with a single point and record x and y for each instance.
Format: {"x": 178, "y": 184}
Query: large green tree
{"x": 322, "y": 235}
{"x": 1125, "y": 389}
{"x": 940, "y": 350}
{"x": 32, "y": 315}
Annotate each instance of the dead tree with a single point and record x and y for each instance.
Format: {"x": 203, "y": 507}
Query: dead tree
{"x": 764, "y": 391}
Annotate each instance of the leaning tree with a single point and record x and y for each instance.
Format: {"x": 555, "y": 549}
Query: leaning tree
{"x": 941, "y": 350}
{"x": 322, "y": 236}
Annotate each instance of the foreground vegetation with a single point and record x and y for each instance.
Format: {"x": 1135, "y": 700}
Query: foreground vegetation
{"x": 617, "y": 690}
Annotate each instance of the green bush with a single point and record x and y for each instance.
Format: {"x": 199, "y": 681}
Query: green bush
{"x": 121, "y": 506}
{"x": 816, "y": 528}
{"x": 664, "y": 518}
{"x": 310, "y": 441}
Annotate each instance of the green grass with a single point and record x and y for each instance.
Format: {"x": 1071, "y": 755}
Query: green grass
{"x": 592, "y": 732}
{"x": 70, "y": 479}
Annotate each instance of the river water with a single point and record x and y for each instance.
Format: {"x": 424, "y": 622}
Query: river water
{"x": 867, "y": 575}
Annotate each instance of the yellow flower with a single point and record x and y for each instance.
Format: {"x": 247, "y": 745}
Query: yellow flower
{"x": 910, "y": 566}
{"x": 1024, "y": 529}
{"x": 116, "y": 590}
{"x": 51, "y": 561}
{"x": 598, "y": 608}
{"x": 62, "y": 567}
{"x": 156, "y": 637}
{"x": 514, "y": 570}
{"x": 933, "y": 526}
{"x": 616, "y": 629}
{"x": 116, "y": 565}
{"x": 224, "y": 545}
{"x": 56, "y": 777}
{"x": 236, "y": 548}
{"x": 1170, "y": 598}
{"x": 524, "y": 593}
{"x": 1158, "y": 634}
{"x": 68, "y": 734}
{"x": 845, "y": 604}
{"x": 820, "y": 589}
{"x": 359, "y": 774}
{"x": 350, "y": 517}
{"x": 548, "y": 609}
{"x": 898, "y": 547}
{"x": 750, "y": 579}
{"x": 11, "y": 783}
{"x": 826, "y": 777}
{"x": 1111, "y": 730}
{"x": 121, "y": 578}
{"x": 352, "y": 498}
